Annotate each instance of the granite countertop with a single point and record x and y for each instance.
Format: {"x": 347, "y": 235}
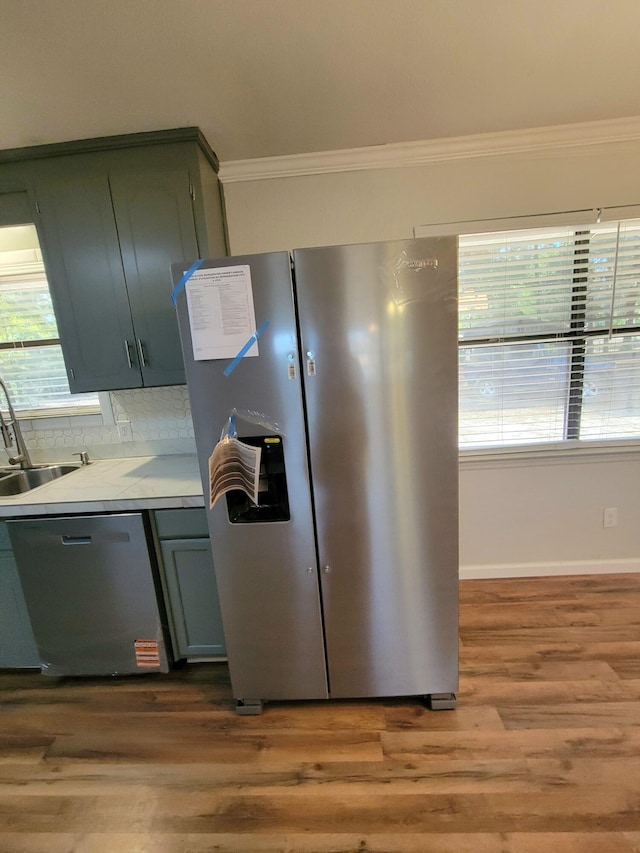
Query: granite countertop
{"x": 108, "y": 485}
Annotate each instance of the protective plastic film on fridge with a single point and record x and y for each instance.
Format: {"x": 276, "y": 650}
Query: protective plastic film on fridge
{"x": 342, "y": 581}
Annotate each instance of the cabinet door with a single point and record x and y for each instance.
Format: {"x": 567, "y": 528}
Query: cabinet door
{"x": 193, "y": 597}
{"x": 155, "y": 221}
{"x": 84, "y": 268}
{"x": 15, "y": 209}
{"x": 17, "y": 643}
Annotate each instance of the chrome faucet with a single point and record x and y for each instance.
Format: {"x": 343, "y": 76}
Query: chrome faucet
{"x": 12, "y": 425}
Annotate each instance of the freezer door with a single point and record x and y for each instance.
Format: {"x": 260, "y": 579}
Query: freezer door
{"x": 379, "y": 336}
{"x": 266, "y": 568}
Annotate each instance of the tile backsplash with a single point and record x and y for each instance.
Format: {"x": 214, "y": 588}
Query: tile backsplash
{"x": 159, "y": 422}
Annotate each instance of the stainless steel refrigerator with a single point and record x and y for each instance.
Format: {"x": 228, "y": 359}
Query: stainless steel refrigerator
{"x": 343, "y": 580}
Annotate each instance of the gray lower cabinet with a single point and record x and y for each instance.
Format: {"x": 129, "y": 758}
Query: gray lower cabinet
{"x": 189, "y": 583}
{"x": 17, "y": 643}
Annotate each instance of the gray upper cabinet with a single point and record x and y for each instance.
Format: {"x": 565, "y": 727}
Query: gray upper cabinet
{"x": 82, "y": 256}
{"x": 112, "y": 216}
{"x": 155, "y": 222}
{"x": 15, "y": 209}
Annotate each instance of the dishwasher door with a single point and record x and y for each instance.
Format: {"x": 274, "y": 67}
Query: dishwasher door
{"x": 89, "y": 585}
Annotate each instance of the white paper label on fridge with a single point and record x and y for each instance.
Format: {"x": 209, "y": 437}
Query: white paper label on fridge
{"x": 221, "y": 313}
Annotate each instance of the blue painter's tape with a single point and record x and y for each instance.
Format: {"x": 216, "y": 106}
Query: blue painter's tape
{"x": 245, "y": 349}
{"x": 185, "y": 278}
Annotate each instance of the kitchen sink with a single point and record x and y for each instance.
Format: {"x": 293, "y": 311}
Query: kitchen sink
{"x": 15, "y": 481}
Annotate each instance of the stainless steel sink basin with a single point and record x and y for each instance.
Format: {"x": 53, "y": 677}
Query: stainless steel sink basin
{"x": 18, "y": 480}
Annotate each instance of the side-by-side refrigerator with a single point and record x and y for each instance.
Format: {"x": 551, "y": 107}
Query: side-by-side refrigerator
{"x": 342, "y": 580}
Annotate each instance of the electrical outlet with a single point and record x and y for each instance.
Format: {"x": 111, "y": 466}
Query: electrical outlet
{"x": 124, "y": 430}
{"x": 610, "y": 516}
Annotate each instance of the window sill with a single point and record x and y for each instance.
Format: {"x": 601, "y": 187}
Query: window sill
{"x": 98, "y": 415}
{"x": 70, "y": 412}
{"x": 562, "y": 453}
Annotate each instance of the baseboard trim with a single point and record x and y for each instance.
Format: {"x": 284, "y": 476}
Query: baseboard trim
{"x": 567, "y": 567}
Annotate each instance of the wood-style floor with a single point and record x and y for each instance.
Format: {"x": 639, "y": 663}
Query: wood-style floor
{"x": 542, "y": 754}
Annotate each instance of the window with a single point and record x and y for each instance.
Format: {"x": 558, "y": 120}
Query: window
{"x": 549, "y": 323}
{"x": 31, "y": 362}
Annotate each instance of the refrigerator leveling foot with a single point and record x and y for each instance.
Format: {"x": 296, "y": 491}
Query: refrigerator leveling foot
{"x": 441, "y": 701}
{"x": 248, "y": 707}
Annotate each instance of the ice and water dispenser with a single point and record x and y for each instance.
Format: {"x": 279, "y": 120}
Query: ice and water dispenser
{"x": 273, "y": 500}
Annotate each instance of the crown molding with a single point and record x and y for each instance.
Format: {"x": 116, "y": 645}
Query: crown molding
{"x": 403, "y": 154}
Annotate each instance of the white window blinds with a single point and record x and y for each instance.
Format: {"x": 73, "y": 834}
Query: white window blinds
{"x": 550, "y": 335}
{"x": 31, "y": 360}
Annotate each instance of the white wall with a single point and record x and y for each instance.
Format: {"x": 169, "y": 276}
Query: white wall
{"x": 527, "y": 517}
{"x": 361, "y": 206}
{"x": 546, "y": 517}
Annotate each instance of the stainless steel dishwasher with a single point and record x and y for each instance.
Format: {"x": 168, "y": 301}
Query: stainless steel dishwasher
{"x": 91, "y": 593}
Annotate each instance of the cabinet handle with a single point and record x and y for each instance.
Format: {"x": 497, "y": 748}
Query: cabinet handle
{"x": 143, "y": 360}
{"x": 128, "y": 353}
{"x": 76, "y": 540}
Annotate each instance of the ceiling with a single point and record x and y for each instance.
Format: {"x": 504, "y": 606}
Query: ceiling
{"x": 275, "y": 77}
